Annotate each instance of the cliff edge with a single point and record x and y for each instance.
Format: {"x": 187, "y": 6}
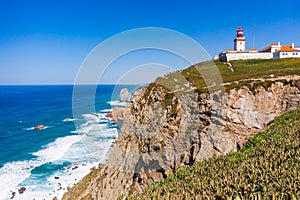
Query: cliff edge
{"x": 169, "y": 127}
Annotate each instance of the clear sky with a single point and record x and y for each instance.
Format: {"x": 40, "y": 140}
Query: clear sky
{"x": 45, "y": 42}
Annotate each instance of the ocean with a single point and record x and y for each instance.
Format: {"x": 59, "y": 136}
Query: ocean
{"x": 48, "y": 161}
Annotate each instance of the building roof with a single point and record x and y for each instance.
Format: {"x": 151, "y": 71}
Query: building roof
{"x": 230, "y": 49}
{"x": 288, "y": 49}
{"x": 253, "y": 49}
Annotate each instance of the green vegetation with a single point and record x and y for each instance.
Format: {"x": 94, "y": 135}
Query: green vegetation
{"x": 211, "y": 75}
{"x": 267, "y": 167}
{"x": 167, "y": 100}
{"x": 252, "y": 85}
{"x": 243, "y": 69}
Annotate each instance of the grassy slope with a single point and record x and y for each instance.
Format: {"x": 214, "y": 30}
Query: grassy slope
{"x": 267, "y": 167}
{"x": 243, "y": 69}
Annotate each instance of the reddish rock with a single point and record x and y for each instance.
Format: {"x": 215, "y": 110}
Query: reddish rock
{"x": 39, "y": 127}
{"x": 21, "y": 190}
{"x": 118, "y": 114}
{"x": 108, "y": 114}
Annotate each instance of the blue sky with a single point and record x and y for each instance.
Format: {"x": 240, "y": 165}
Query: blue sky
{"x": 45, "y": 42}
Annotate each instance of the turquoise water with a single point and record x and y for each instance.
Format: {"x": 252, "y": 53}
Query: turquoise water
{"x": 47, "y": 161}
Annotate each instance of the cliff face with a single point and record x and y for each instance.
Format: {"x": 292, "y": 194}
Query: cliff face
{"x": 163, "y": 131}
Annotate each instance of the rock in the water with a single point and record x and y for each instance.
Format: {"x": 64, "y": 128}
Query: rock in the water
{"x": 125, "y": 95}
{"x": 13, "y": 195}
{"x": 75, "y": 167}
{"x": 21, "y": 190}
{"x": 39, "y": 127}
{"x": 118, "y": 114}
{"x": 56, "y": 177}
{"x": 55, "y": 198}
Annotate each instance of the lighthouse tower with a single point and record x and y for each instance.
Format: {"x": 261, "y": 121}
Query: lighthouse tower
{"x": 240, "y": 41}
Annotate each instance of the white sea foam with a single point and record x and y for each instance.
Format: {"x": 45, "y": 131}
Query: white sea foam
{"x": 106, "y": 110}
{"x": 69, "y": 120}
{"x": 104, "y": 120}
{"x": 56, "y": 187}
{"x": 85, "y": 150}
{"x": 74, "y": 132}
{"x": 13, "y": 173}
{"x": 117, "y": 103}
{"x": 57, "y": 149}
{"x": 92, "y": 116}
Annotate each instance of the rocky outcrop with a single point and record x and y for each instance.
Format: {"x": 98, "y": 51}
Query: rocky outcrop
{"x": 164, "y": 131}
{"x": 21, "y": 190}
{"x": 125, "y": 95}
{"x": 118, "y": 114}
{"x": 39, "y": 127}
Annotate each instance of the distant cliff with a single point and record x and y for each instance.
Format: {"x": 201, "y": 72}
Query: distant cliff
{"x": 164, "y": 130}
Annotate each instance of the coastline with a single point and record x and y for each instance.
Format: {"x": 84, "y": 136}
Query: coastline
{"x": 62, "y": 181}
{"x": 62, "y": 160}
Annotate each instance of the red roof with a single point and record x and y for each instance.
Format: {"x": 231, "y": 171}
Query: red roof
{"x": 287, "y": 49}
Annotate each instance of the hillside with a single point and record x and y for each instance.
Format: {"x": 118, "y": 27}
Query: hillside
{"x": 185, "y": 117}
{"x": 205, "y": 74}
{"x": 267, "y": 167}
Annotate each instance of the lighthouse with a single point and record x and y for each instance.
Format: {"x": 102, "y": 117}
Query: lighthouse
{"x": 240, "y": 41}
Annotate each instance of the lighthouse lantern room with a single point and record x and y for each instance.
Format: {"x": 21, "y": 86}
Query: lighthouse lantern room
{"x": 240, "y": 41}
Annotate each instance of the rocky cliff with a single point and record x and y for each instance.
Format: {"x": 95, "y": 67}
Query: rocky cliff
{"x": 163, "y": 130}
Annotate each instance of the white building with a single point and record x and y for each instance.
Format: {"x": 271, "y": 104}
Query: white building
{"x": 272, "y": 48}
{"x": 269, "y": 52}
{"x": 287, "y": 52}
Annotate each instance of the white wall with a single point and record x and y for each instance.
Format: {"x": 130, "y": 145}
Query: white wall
{"x": 246, "y": 55}
{"x": 278, "y": 55}
{"x": 276, "y": 48}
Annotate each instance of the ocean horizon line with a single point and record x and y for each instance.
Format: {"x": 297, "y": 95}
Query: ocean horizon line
{"x": 71, "y": 84}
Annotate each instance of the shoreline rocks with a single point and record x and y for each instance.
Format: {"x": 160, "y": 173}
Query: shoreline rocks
{"x": 13, "y": 195}
{"x": 22, "y": 190}
{"x": 118, "y": 114}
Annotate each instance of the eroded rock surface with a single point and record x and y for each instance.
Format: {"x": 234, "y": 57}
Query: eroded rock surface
{"x": 157, "y": 136}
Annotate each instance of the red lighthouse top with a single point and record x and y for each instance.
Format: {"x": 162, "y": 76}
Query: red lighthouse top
{"x": 240, "y": 33}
